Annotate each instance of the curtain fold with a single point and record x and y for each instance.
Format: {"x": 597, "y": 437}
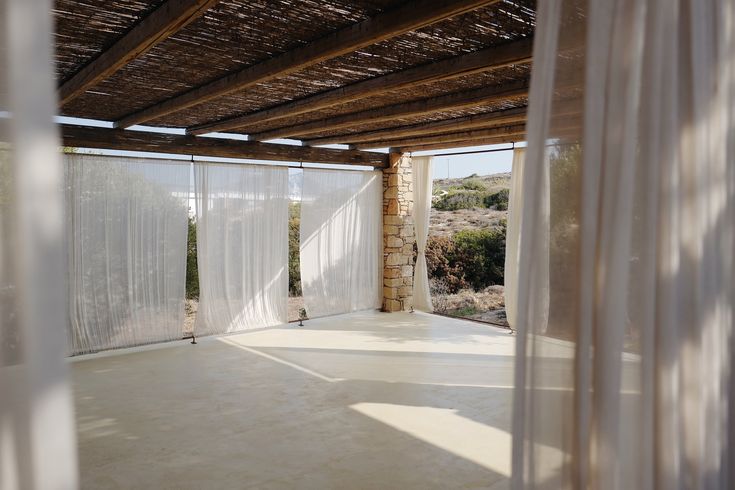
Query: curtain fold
{"x": 422, "y": 189}
{"x": 126, "y": 249}
{"x": 242, "y": 247}
{"x": 341, "y": 241}
{"x": 624, "y": 379}
{"x": 37, "y": 434}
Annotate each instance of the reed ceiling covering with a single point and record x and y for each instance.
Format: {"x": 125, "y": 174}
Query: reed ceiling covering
{"x": 195, "y": 43}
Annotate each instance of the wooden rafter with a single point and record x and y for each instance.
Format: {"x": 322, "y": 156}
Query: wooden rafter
{"x": 445, "y": 137}
{"x": 156, "y": 27}
{"x": 409, "y": 16}
{"x": 466, "y": 64}
{"x": 457, "y": 100}
{"x": 120, "y": 139}
{"x": 507, "y": 116}
{"x": 562, "y": 126}
{"x": 494, "y": 118}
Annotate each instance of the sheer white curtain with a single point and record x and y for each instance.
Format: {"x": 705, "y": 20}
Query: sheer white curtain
{"x": 341, "y": 241}
{"x": 628, "y": 383}
{"x": 37, "y": 437}
{"x": 422, "y": 185}
{"x": 513, "y": 234}
{"x": 242, "y": 247}
{"x": 126, "y": 247}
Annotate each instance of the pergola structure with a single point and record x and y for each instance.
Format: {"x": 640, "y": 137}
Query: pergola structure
{"x": 409, "y": 75}
{"x": 404, "y": 75}
{"x": 620, "y": 239}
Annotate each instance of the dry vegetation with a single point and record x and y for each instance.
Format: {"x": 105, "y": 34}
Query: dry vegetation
{"x": 444, "y": 223}
{"x": 486, "y": 304}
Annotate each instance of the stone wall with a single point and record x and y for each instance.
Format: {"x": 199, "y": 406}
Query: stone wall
{"x": 399, "y": 236}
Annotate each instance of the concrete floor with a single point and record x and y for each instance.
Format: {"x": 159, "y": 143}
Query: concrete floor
{"x": 360, "y": 401}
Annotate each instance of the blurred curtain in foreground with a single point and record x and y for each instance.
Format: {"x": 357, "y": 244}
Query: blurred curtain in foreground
{"x": 624, "y": 381}
{"x": 37, "y": 437}
{"x": 513, "y": 236}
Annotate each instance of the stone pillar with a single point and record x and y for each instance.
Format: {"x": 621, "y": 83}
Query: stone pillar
{"x": 398, "y": 234}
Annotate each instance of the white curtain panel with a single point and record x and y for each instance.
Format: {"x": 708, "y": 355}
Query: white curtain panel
{"x": 625, "y": 380}
{"x": 126, "y": 247}
{"x": 242, "y": 247}
{"x": 422, "y": 188}
{"x": 341, "y": 241}
{"x": 37, "y": 435}
{"x": 513, "y": 235}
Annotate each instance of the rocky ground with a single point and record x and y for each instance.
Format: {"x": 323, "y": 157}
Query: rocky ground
{"x": 444, "y": 223}
{"x": 487, "y": 305}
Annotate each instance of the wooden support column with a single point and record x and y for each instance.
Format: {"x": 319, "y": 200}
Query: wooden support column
{"x": 399, "y": 235}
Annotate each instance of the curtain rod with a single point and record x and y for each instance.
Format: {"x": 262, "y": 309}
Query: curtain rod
{"x": 299, "y": 166}
{"x": 190, "y": 159}
{"x": 471, "y": 152}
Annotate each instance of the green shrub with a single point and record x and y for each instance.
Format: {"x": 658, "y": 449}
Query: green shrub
{"x": 294, "y": 264}
{"x": 470, "y": 258}
{"x": 498, "y": 200}
{"x": 442, "y": 265}
{"x": 474, "y": 185}
{"x": 462, "y": 199}
{"x": 192, "y": 274}
{"x": 481, "y": 254}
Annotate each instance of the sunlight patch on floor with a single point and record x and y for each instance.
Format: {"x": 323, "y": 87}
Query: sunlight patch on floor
{"x": 446, "y": 429}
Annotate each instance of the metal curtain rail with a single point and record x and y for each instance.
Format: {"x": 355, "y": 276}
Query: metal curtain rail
{"x": 471, "y": 152}
{"x": 300, "y": 166}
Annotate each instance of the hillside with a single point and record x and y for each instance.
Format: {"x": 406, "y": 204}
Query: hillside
{"x": 475, "y": 203}
{"x": 493, "y": 181}
{"x": 448, "y": 222}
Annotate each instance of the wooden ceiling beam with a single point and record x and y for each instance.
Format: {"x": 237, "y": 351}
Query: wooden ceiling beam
{"x": 457, "y": 100}
{"x": 120, "y": 139}
{"x": 407, "y": 17}
{"x": 563, "y": 127}
{"x": 495, "y": 57}
{"x": 569, "y": 107}
{"x": 154, "y": 28}
{"x": 507, "y": 116}
{"x": 445, "y": 137}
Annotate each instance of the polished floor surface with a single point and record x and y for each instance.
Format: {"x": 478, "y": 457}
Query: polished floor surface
{"x": 362, "y": 401}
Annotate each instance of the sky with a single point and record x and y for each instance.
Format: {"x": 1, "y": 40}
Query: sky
{"x": 456, "y": 166}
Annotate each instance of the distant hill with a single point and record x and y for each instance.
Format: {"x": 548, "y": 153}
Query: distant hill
{"x": 492, "y": 182}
